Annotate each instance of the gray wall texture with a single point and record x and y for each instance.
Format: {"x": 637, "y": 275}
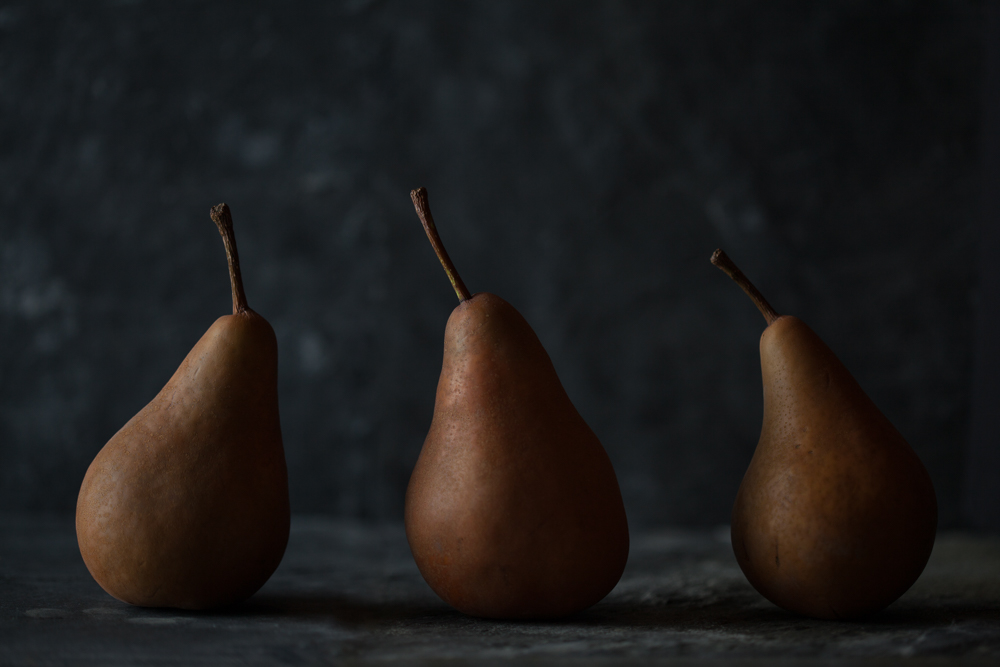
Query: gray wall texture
{"x": 583, "y": 161}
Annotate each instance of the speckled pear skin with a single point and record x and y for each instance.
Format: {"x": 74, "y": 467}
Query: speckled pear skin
{"x": 836, "y": 515}
{"x": 513, "y": 509}
{"x": 187, "y": 505}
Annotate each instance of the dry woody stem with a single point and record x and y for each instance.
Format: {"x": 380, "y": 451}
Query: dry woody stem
{"x": 721, "y": 260}
{"x": 419, "y": 197}
{"x": 224, "y": 221}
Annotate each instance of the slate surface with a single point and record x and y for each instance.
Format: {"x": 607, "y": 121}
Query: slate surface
{"x": 583, "y": 161}
{"x": 347, "y": 593}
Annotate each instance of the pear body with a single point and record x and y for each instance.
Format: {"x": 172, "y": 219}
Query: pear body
{"x": 836, "y": 515}
{"x": 187, "y": 505}
{"x": 513, "y": 509}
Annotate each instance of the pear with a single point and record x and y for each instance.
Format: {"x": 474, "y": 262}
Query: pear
{"x": 187, "y": 505}
{"x": 513, "y": 509}
{"x": 836, "y": 515}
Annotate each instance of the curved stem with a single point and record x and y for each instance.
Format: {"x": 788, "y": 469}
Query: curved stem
{"x": 419, "y": 197}
{"x": 223, "y": 219}
{"x": 721, "y": 260}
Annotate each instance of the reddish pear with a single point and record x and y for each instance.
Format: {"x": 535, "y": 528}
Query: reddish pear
{"x": 836, "y": 515}
{"x": 513, "y": 509}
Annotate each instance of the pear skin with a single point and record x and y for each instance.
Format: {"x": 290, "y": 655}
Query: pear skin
{"x": 836, "y": 515}
{"x": 187, "y": 505}
{"x": 513, "y": 509}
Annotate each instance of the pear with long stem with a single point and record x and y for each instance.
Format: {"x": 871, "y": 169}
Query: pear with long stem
{"x": 836, "y": 515}
{"x": 187, "y": 505}
{"x": 513, "y": 509}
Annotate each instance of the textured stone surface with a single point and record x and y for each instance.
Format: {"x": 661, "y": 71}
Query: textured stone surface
{"x": 583, "y": 160}
{"x": 347, "y": 592}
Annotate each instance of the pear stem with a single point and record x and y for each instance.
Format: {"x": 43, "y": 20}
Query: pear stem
{"x": 223, "y": 219}
{"x": 721, "y": 260}
{"x": 419, "y": 197}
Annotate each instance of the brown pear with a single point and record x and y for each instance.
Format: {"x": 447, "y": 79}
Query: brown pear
{"x": 513, "y": 509}
{"x": 836, "y": 515}
{"x": 187, "y": 505}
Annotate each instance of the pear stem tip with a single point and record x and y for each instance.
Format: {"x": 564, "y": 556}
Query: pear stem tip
{"x": 223, "y": 219}
{"x": 423, "y": 207}
{"x": 728, "y": 266}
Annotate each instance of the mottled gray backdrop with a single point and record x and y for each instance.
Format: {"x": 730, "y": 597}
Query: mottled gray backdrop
{"x": 583, "y": 160}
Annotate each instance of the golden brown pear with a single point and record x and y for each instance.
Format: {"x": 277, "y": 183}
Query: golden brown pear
{"x": 513, "y": 509}
{"x": 187, "y": 505}
{"x": 836, "y": 515}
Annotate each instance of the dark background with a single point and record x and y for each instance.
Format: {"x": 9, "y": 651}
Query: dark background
{"x": 583, "y": 160}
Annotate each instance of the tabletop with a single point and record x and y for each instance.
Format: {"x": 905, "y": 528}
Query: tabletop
{"x": 350, "y": 593}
